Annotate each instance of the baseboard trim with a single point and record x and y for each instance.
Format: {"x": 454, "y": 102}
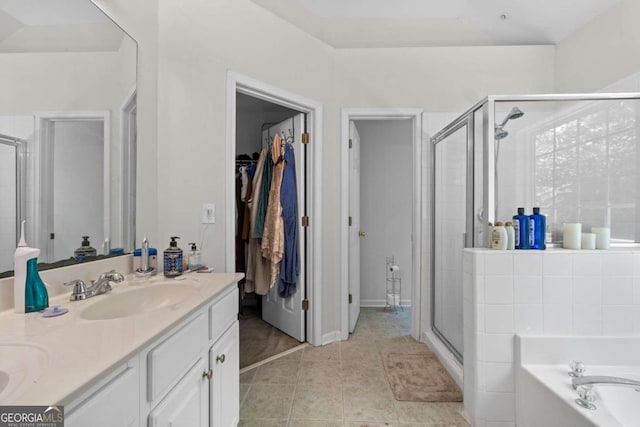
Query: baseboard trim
{"x": 382, "y": 303}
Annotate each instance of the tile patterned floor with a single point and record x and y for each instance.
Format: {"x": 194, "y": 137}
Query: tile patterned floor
{"x": 342, "y": 384}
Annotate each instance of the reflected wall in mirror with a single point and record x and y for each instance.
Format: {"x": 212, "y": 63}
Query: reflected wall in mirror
{"x": 67, "y": 128}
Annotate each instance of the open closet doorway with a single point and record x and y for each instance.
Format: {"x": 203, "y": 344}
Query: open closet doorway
{"x": 381, "y": 210}
{"x": 270, "y": 172}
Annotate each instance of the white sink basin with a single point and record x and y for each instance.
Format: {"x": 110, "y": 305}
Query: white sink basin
{"x": 114, "y": 305}
{"x": 21, "y": 365}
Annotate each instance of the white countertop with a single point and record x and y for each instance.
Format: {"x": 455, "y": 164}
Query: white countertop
{"x": 79, "y": 351}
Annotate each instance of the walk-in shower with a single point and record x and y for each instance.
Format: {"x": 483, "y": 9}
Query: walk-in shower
{"x": 574, "y": 156}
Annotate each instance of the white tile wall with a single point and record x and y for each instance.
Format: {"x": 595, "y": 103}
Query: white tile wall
{"x": 555, "y": 292}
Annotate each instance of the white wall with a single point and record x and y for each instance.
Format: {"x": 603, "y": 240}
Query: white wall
{"x": 184, "y": 51}
{"x": 604, "y": 51}
{"x": 386, "y": 200}
{"x": 194, "y": 56}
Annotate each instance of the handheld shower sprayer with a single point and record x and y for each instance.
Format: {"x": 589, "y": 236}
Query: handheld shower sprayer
{"x": 499, "y": 132}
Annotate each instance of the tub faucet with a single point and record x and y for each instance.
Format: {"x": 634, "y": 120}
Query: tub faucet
{"x": 594, "y": 380}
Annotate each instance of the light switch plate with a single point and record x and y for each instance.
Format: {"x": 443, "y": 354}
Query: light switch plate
{"x": 208, "y": 213}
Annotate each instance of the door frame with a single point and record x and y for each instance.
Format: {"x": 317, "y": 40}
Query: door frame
{"x": 240, "y": 83}
{"x": 41, "y": 170}
{"x": 128, "y": 169}
{"x": 415, "y": 114}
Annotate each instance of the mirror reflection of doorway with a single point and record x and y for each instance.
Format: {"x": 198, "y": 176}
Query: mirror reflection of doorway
{"x": 12, "y": 194}
{"x": 74, "y": 183}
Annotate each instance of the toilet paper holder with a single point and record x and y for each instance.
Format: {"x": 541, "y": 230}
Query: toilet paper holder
{"x": 394, "y": 285}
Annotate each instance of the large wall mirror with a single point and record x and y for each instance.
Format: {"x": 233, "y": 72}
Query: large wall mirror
{"x": 67, "y": 129}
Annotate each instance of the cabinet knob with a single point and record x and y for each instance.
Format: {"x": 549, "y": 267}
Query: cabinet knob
{"x": 362, "y": 234}
{"x": 207, "y": 374}
{"x": 220, "y": 358}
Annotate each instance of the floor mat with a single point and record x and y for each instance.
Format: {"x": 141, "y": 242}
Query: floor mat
{"x": 419, "y": 378}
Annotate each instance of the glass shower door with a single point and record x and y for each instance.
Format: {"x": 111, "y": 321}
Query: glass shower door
{"x": 453, "y": 231}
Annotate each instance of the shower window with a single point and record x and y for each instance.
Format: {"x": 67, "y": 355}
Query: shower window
{"x": 585, "y": 169}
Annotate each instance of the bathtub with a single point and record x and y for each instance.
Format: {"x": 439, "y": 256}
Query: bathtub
{"x": 545, "y": 397}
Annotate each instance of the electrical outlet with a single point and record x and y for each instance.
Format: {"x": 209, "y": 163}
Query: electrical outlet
{"x": 208, "y": 213}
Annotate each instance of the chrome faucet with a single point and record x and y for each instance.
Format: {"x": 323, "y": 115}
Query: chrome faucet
{"x": 593, "y": 380}
{"x": 100, "y": 286}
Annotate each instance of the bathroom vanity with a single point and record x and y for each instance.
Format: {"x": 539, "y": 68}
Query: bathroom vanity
{"x": 151, "y": 352}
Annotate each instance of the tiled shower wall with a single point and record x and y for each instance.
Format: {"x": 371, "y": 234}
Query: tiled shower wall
{"x": 552, "y": 292}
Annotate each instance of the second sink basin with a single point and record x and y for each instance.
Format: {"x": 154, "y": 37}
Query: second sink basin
{"x": 21, "y": 366}
{"x": 138, "y": 301}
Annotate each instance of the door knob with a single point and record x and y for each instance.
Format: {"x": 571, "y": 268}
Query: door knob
{"x": 362, "y": 234}
{"x": 207, "y": 374}
{"x": 220, "y": 358}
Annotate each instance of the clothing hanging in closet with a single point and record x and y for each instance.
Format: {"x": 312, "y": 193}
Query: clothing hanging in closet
{"x": 273, "y": 256}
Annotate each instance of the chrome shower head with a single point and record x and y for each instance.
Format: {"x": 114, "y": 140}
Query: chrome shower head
{"x": 500, "y": 133}
{"x": 515, "y": 113}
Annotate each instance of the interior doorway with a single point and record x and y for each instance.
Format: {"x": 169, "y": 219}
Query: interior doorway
{"x": 272, "y": 134}
{"x": 382, "y": 212}
{"x": 78, "y": 145}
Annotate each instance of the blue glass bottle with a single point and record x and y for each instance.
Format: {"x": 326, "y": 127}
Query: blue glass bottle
{"x": 538, "y": 230}
{"x": 36, "y": 297}
{"x": 521, "y": 229}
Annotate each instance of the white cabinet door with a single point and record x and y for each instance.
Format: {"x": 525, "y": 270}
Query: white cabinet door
{"x": 113, "y": 403}
{"x": 186, "y": 405}
{"x": 224, "y": 362}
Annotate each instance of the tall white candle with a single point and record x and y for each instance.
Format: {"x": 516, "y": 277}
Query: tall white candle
{"x": 588, "y": 241}
{"x": 603, "y": 237}
{"x": 571, "y": 236}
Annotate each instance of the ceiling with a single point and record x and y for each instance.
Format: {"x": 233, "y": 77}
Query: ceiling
{"x": 430, "y": 23}
{"x": 56, "y": 26}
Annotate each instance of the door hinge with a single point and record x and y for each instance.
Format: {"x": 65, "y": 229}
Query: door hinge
{"x": 350, "y": 221}
{"x": 350, "y": 299}
{"x": 305, "y": 221}
{"x": 305, "y": 138}
{"x": 305, "y": 304}
{"x": 350, "y": 143}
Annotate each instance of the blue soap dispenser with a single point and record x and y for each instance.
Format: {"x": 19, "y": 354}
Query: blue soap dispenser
{"x": 29, "y": 292}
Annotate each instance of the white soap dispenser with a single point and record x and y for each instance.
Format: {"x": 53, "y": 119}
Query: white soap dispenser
{"x": 29, "y": 292}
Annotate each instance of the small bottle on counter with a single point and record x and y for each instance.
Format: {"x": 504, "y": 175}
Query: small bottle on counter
{"x": 521, "y": 229}
{"x": 511, "y": 236}
{"x": 499, "y": 237}
{"x": 538, "y": 229}
{"x": 194, "y": 257}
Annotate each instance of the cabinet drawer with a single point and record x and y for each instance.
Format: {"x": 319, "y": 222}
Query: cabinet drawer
{"x": 222, "y": 314}
{"x": 169, "y": 361}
